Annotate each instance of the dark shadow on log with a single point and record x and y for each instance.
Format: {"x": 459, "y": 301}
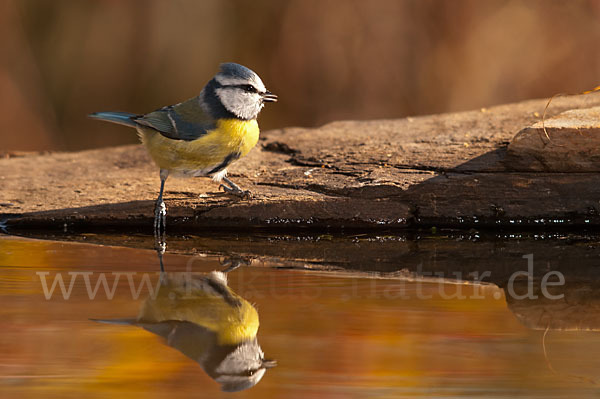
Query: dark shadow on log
{"x": 485, "y": 192}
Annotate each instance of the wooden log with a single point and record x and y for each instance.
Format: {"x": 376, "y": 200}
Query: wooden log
{"x": 444, "y": 170}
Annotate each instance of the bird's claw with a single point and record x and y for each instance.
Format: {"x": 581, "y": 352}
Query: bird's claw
{"x": 160, "y": 218}
{"x": 242, "y": 194}
{"x": 160, "y": 230}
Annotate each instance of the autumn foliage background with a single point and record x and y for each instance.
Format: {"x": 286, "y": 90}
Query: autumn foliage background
{"x": 326, "y": 59}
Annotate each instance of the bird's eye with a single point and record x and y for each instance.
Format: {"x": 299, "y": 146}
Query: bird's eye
{"x": 250, "y": 88}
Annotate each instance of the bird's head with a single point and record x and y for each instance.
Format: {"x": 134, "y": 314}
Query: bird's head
{"x": 239, "y": 90}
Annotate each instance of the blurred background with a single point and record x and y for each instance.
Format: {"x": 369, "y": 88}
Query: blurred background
{"x": 326, "y": 59}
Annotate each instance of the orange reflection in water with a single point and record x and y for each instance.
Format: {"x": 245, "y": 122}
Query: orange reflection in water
{"x": 332, "y": 336}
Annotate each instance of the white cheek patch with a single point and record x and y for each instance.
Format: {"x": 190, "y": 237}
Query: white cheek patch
{"x": 239, "y": 102}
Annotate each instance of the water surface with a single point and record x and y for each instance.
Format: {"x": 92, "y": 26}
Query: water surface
{"x": 335, "y": 329}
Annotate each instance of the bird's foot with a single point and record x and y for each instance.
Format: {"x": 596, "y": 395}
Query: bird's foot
{"x": 236, "y": 191}
{"x": 160, "y": 219}
{"x": 160, "y": 230}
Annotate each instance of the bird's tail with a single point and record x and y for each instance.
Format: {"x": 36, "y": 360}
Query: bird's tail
{"x": 122, "y": 118}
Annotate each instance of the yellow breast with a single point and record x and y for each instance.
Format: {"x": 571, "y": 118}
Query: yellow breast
{"x": 229, "y": 137}
{"x": 238, "y": 134}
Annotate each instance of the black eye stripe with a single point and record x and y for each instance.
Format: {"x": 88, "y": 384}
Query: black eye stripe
{"x": 248, "y": 88}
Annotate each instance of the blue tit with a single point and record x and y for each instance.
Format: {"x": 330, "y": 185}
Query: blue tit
{"x": 200, "y": 316}
{"x": 205, "y": 134}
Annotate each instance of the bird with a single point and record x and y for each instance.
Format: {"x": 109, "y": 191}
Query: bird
{"x": 200, "y": 316}
{"x": 204, "y": 135}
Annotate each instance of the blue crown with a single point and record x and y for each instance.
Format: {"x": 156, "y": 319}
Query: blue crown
{"x": 237, "y": 70}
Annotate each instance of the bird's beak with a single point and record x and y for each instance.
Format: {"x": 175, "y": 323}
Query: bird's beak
{"x": 269, "y": 363}
{"x": 269, "y": 97}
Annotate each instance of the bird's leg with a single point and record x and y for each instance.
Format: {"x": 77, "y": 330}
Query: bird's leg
{"x": 160, "y": 211}
{"x": 234, "y": 189}
{"x": 160, "y": 222}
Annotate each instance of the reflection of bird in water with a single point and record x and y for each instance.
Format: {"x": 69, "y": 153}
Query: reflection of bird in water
{"x": 200, "y": 316}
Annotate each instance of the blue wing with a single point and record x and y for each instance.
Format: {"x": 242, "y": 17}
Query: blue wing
{"x": 184, "y": 121}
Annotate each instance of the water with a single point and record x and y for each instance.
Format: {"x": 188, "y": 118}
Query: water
{"x": 354, "y": 316}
